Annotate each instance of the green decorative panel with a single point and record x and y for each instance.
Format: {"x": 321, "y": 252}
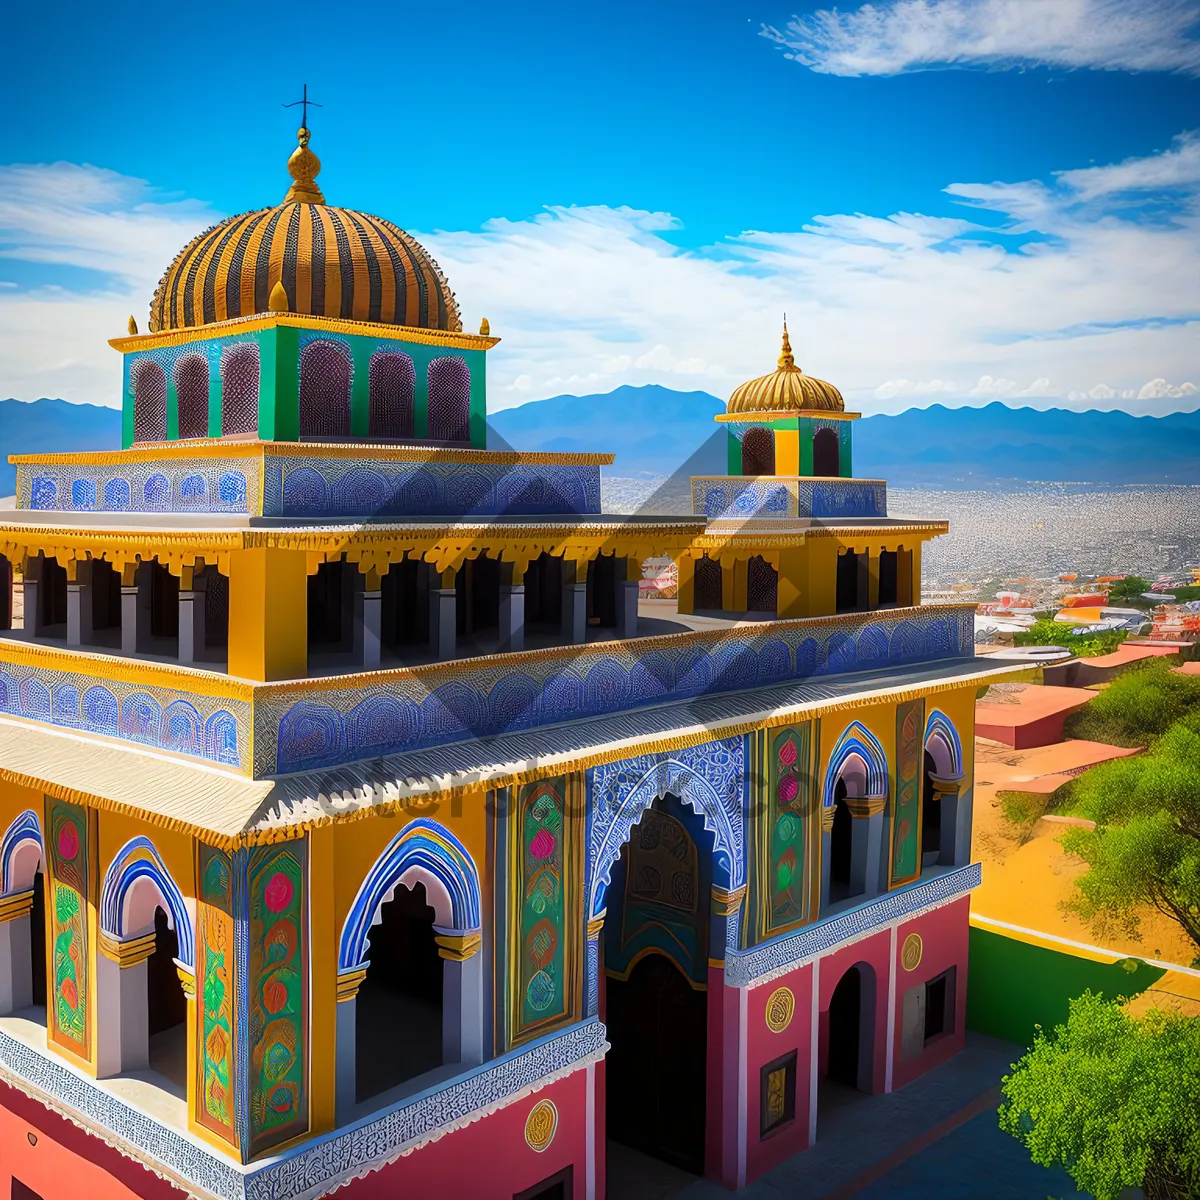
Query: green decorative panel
{"x": 545, "y": 912}
{"x": 787, "y": 876}
{"x": 215, "y": 979}
{"x": 906, "y": 801}
{"x": 69, "y": 994}
{"x": 278, "y": 995}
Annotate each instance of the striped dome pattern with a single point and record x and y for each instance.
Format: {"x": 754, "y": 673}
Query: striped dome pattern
{"x": 786, "y": 389}
{"x": 332, "y": 262}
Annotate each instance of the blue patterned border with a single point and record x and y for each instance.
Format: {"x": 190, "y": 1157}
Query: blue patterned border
{"x": 341, "y": 487}
{"x": 414, "y": 709}
{"x": 744, "y": 496}
{"x": 196, "y": 485}
{"x": 186, "y": 722}
{"x": 315, "y": 1167}
{"x": 784, "y": 953}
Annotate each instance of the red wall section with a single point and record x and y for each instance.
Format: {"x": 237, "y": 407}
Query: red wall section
{"x": 944, "y": 933}
{"x": 762, "y": 1047}
{"x": 873, "y": 951}
{"x": 490, "y": 1160}
{"x": 63, "y": 1162}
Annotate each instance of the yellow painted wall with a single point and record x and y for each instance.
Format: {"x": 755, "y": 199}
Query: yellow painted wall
{"x": 14, "y": 800}
{"x": 687, "y": 584}
{"x": 787, "y": 452}
{"x": 268, "y": 614}
{"x": 175, "y": 849}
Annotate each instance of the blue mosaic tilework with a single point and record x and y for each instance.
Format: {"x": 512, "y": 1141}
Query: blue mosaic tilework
{"x": 338, "y": 487}
{"x": 742, "y": 497}
{"x": 185, "y": 722}
{"x": 431, "y": 707}
{"x": 194, "y": 485}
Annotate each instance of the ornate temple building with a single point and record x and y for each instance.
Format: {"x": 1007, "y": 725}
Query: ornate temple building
{"x": 358, "y": 832}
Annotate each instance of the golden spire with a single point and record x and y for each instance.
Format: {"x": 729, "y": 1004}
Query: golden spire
{"x": 787, "y": 361}
{"x": 132, "y": 326}
{"x": 484, "y": 328}
{"x": 304, "y": 167}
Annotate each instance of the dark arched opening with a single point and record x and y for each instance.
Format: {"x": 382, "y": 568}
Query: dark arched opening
{"x": 706, "y": 595}
{"x": 239, "y": 389}
{"x": 37, "y": 940}
{"x": 602, "y": 592}
{"x": 392, "y": 385}
{"x": 404, "y": 606}
{"x": 889, "y": 578}
{"x": 449, "y": 400}
{"x": 655, "y": 946}
{"x": 149, "y": 401}
{"x": 166, "y": 1005}
{"x": 216, "y": 614}
{"x": 845, "y": 1015}
{"x": 762, "y": 586}
{"x": 106, "y": 604}
{"x": 326, "y": 370}
{"x": 847, "y": 597}
{"x": 50, "y": 617}
{"x": 826, "y": 454}
{"x": 398, "y": 1012}
{"x": 329, "y": 603}
{"x": 164, "y": 609}
{"x": 543, "y": 598}
{"x": 841, "y": 845}
{"x": 191, "y": 392}
{"x": 758, "y": 451}
{"x": 477, "y": 603}
{"x": 6, "y": 584}
{"x": 931, "y": 815}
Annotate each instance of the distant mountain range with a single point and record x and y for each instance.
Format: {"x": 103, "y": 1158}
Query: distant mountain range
{"x": 656, "y": 431}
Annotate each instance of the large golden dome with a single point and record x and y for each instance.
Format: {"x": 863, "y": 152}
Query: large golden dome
{"x": 786, "y": 389}
{"x": 332, "y": 262}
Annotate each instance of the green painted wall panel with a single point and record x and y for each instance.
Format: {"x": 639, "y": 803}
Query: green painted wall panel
{"x": 1013, "y": 987}
{"x": 283, "y": 394}
{"x": 476, "y": 364}
{"x": 126, "y": 405}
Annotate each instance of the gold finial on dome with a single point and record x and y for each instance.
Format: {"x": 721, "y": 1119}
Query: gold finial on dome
{"x": 787, "y": 361}
{"x": 304, "y": 167}
{"x": 278, "y": 301}
{"x": 485, "y": 328}
{"x": 132, "y": 326}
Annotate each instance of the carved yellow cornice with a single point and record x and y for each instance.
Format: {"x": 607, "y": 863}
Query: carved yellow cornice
{"x": 725, "y": 902}
{"x": 270, "y": 320}
{"x": 458, "y": 947}
{"x": 348, "y": 983}
{"x": 127, "y": 952}
{"x": 17, "y": 904}
{"x": 866, "y": 806}
{"x": 595, "y": 925}
{"x": 204, "y": 448}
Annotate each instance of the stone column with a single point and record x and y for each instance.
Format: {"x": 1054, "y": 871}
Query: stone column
{"x": 864, "y": 580}
{"x": 462, "y": 995}
{"x": 16, "y": 963}
{"x": 872, "y": 579}
{"x": 512, "y": 612}
{"x": 628, "y": 593}
{"x": 122, "y": 1005}
{"x": 826, "y": 846}
{"x": 866, "y": 845}
{"x": 591, "y": 983}
{"x": 79, "y": 603}
{"x": 346, "y": 1098}
{"x": 443, "y": 618}
{"x": 368, "y": 621}
{"x": 135, "y": 608}
{"x": 192, "y": 614}
{"x": 30, "y": 608}
{"x": 574, "y": 604}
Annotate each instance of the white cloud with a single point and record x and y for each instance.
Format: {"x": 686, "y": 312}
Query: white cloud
{"x": 1063, "y": 285}
{"x": 897, "y": 36}
{"x": 1178, "y": 168}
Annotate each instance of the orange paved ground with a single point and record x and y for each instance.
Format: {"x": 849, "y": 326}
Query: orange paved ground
{"x": 1024, "y": 883}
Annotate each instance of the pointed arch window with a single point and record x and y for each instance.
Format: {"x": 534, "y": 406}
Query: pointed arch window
{"x": 449, "y": 400}
{"x": 326, "y": 374}
{"x": 392, "y": 384}
{"x": 191, "y": 391}
{"x": 149, "y": 401}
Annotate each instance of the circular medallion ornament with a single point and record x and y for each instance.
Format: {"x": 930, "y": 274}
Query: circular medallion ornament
{"x": 781, "y": 1004}
{"x": 540, "y": 1125}
{"x": 910, "y": 954}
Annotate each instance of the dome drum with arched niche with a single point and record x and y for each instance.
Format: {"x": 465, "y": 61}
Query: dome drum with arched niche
{"x": 331, "y": 262}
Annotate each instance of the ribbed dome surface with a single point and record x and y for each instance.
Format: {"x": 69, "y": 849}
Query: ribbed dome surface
{"x": 332, "y": 262}
{"x": 786, "y": 389}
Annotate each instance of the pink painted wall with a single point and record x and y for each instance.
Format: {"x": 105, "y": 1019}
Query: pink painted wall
{"x": 762, "y": 1047}
{"x": 490, "y": 1160}
{"x": 62, "y": 1160}
{"x": 874, "y": 951}
{"x": 944, "y": 934}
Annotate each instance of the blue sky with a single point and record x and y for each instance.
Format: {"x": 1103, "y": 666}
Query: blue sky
{"x": 633, "y": 192}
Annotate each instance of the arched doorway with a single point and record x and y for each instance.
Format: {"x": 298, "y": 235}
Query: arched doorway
{"x": 850, "y": 1033}
{"x": 841, "y": 846}
{"x": 191, "y": 391}
{"x": 239, "y": 389}
{"x": 392, "y": 387}
{"x": 706, "y": 594}
{"x": 37, "y": 941}
{"x": 655, "y": 946}
{"x": 449, "y": 400}
{"x": 762, "y": 586}
{"x": 398, "y": 1018}
{"x": 931, "y": 814}
{"x": 758, "y": 451}
{"x": 826, "y": 456}
{"x": 166, "y": 1005}
{"x": 326, "y": 371}
{"x": 149, "y": 401}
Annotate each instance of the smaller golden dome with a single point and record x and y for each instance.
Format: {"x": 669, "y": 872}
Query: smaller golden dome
{"x": 786, "y": 389}
{"x": 304, "y": 167}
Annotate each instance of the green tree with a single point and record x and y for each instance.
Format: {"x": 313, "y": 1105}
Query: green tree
{"x": 1113, "y": 1100}
{"x": 1059, "y": 633}
{"x": 1129, "y": 588}
{"x": 1137, "y": 707}
{"x": 1145, "y": 848}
